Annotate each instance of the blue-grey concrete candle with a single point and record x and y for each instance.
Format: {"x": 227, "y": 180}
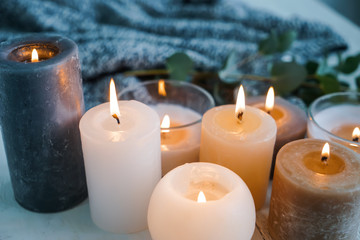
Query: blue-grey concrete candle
{"x": 41, "y": 104}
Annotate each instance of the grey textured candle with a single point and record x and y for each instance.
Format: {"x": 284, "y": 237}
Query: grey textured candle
{"x": 41, "y": 104}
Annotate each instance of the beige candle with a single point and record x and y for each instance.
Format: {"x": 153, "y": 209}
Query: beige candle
{"x": 241, "y": 139}
{"x": 290, "y": 119}
{"x": 315, "y": 195}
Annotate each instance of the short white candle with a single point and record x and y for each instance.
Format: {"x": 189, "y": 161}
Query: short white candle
{"x": 228, "y": 213}
{"x": 180, "y": 143}
{"x": 246, "y": 146}
{"x": 122, "y": 163}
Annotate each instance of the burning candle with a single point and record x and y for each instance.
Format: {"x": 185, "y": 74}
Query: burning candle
{"x": 41, "y": 105}
{"x": 334, "y": 117}
{"x": 122, "y": 160}
{"x": 243, "y": 143}
{"x": 290, "y": 119}
{"x": 184, "y": 104}
{"x": 201, "y": 201}
{"x": 316, "y": 192}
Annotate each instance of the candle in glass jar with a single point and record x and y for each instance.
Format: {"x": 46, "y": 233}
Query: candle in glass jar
{"x": 121, "y": 146}
{"x": 241, "y": 139}
{"x": 315, "y": 193}
{"x": 335, "y": 117}
{"x": 201, "y": 201}
{"x": 180, "y": 135}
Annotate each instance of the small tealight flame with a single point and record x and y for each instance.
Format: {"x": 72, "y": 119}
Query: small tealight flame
{"x": 270, "y": 99}
{"x": 114, "y": 105}
{"x": 165, "y": 123}
{"x": 201, "y": 197}
{"x": 240, "y": 104}
{"x": 34, "y": 56}
{"x": 161, "y": 88}
{"x": 356, "y": 134}
{"x": 325, "y": 154}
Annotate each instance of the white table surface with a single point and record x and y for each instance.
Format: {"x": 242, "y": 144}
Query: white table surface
{"x": 18, "y": 223}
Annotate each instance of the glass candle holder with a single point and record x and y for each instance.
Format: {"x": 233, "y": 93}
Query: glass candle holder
{"x": 184, "y": 104}
{"x": 334, "y": 117}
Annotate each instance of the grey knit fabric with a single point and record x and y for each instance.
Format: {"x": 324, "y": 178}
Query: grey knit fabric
{"x": 115, "y": 35}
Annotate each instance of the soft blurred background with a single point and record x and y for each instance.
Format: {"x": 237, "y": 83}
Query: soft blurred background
{"x": 304, "y": 48}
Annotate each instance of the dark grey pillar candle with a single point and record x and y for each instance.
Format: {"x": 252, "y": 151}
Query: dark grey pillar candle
{"x": 41, "y": 104}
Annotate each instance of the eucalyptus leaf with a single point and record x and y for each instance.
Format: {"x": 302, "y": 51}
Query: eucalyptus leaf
{"x": 179, "y": 66}
{"x": 287, "y": 76}
{"x": 270, "y": 44}
{"x": 328, "y": 83}
{"x": 285, "y": 40}
{"x": 311, "y": 67}
{"x": 349, "y": 65}
{"x": 230, "y": 71}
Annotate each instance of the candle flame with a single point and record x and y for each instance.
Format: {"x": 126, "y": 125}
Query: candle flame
{"x": 201, "y": 197}
{"x": 240, "y": 104}
{"x": 356, "y": 134}
{"x": 34, "y": 56}
{"x": 161, "y": 88}
{"x": 165, "y": 123}
{"x": 325, "y": 153}
{"x": 114, "y": 104}
{"x": 270, "y": 99}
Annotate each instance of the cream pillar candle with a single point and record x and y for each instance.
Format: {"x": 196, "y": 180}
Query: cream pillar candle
{"x": 245, "y": 147}
{"x": 201, "y": 201}
{"x": 122, "y": 163}
{"x": 290, "y": 120}
{"x": 315, "y": 200}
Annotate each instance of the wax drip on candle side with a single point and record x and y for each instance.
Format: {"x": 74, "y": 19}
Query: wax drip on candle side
{"x": 114, "y": 105}
{"x": 240, "y": 104}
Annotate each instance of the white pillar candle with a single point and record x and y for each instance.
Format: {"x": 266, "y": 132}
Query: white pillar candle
{"x": 245, "y": 146}
{"x": 122, "y": 163}
{"x": 225, "y": 209}
{"x": 180, "y": 142}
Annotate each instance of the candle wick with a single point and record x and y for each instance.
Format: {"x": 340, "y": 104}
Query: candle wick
{"x": 355, "y": 139}
{"x": 269, "y": 112}
{"x": 117, "y": 118}
{"x": 324, "y": 160}
{"x": 240, "y": 116}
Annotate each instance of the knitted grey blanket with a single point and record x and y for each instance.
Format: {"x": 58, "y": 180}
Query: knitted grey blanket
{"x": 116, "y": 35}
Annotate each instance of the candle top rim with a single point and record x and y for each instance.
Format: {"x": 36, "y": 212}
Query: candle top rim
{"x": 264, "y": 131}
{"x": 290, "y": 163}
{"x": 97, "y": 116}
{"x": 66, "y": 48}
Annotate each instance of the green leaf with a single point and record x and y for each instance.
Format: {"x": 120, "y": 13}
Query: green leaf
{"x": 311, "y": 67}
{"x": 287, "y": 76}
{"x": 179, "y": 66}
{"x": 285, "y": 40}
{"x": 350, "y": 65}
{"x": 357, "y": 82}
{"x": 230, "y": 71}
{"x": 329, "y": 83}
{"x": 269, "y": 45}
